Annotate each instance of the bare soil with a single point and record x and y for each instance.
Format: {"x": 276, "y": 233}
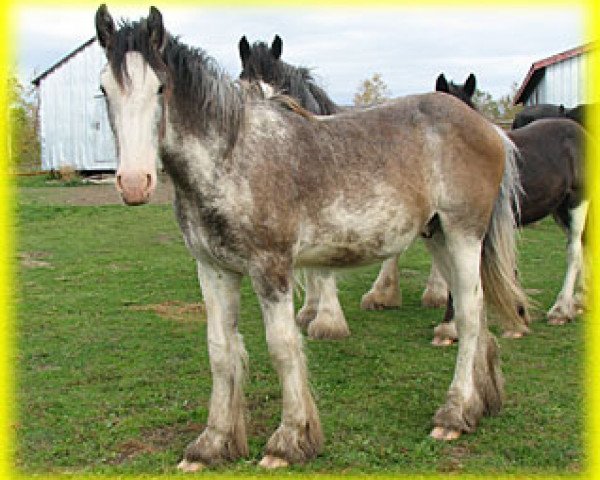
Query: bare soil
{"x": 104, "y": 194}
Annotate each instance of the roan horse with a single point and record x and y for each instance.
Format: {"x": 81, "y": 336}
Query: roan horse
{"x": 263, "y": 63}
{"x": 551, "y": 167}
{"x": 261, "y": 190}
{"x": 321, "y": 313}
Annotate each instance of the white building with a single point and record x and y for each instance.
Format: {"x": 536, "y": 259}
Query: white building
{"x": 559, "y": 79}
{"x": 74, "y": 127}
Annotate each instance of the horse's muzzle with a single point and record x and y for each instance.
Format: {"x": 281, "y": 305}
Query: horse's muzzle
{"x": 135, "y": 188}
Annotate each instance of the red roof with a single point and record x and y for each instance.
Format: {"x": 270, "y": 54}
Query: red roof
{"x": 536, "y": 72}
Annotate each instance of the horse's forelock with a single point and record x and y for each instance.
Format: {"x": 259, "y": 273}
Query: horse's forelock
{"x": 131, "y": 37}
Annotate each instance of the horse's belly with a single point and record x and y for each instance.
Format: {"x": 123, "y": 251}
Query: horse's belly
{"x": 347, "y": 248}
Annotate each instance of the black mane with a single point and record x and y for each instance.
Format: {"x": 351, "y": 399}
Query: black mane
{"x": 200, "y": 92}
{"x": 297, "y": 82}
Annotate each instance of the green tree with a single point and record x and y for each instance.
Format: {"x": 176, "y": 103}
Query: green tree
{"x": 372, "y": 91}
{"x": 24, "y": 143}
{"x": 498, "y": 110}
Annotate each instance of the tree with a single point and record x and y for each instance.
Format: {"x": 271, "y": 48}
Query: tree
{"x": 24, "y": 143}
{"x": 500, "y": 110}
{"x": 372, "y": 91}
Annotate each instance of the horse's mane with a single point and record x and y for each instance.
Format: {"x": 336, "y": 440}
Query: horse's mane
{"x": 297, "y": 82}
{"x": 201, "y": 91}
{"x": 292, "y": 105}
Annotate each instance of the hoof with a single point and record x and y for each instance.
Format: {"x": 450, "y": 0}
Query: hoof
{"x": 189, "y": 467}
{"x": 513, "y": 334}
{"x": 446, "y": 434}
{"x": 370, "y": 302}
{"x": 305, "y": 317}
{"x": 558, "y": 321}
{"x": 328, "y": 331}
{"x": 443, "y": 341}
{"x": 433, "y": 300}
{"x": 270, "y": 462}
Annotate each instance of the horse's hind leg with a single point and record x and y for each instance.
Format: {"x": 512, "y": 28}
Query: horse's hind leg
{"x": 329, "y": 322}
{"x": 385, "y": 292}
{"x": 565, "y": 306}
{"x": 224, "y": 438}
{"x": 299, "y": 437}
{"x": 436, "y": 290}
{"x": 476, "y": 388}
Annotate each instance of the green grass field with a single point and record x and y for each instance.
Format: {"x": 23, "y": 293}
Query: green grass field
{"x": 112, "y": 371}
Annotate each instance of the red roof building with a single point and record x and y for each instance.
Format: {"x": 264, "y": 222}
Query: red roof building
{"x": 558, "y": 79}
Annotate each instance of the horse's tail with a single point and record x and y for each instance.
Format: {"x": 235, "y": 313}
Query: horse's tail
{"x": 499, "y": 263}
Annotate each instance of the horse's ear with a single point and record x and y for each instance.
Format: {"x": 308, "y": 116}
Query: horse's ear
{"x": 105, "y": 26}
{"x": 441, "y": 84}
{"x": 276, "y": 47}
{"x": 470, "y": 85}
{"x": 156, "y": 30}
{"x": 244, "y": 48}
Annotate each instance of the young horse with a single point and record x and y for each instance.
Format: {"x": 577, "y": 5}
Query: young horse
{"x": 263, "y": 63}
{"x": 321, "y": 313}
{"x": 261, "y": 190}
{"x": 551, "y": 166}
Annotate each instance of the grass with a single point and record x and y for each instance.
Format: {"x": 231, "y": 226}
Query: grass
{"x": 107, "y": 385}
{"x": 47, "y": 180}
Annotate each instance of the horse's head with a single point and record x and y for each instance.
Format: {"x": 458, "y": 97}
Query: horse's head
{"x": 133, "y": 82}
{"x": 261, "y": 62}
{"x": 463, "y": 92}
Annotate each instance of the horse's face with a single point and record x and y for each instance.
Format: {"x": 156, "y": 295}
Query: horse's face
{"x": 133, "y": 92}
{"x": 261, "y": 62}
{"x": 135, "y": 111}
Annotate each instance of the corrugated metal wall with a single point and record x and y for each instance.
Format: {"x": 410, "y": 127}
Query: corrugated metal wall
{"x": 74, "y": 125}
{"x": 563, "y": 83}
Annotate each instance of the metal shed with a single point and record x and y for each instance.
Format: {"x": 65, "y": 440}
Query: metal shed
{"x": 73, "y": 124}
{"x": 558, "y": 79}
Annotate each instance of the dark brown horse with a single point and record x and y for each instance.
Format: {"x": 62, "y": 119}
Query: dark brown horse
{"x": 261, "y": 190}
{"x": 551, "y": 166}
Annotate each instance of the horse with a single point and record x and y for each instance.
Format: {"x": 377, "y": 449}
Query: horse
{"x": 551, "y": 167}
{"x": 321, "y": 314}
{"x": 531, "y": 113}
{"x": 261, "y": 189}
{"x": 322, "y": 311}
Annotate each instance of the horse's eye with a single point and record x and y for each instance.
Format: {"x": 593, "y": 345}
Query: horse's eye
{"x": 161, "y": 89}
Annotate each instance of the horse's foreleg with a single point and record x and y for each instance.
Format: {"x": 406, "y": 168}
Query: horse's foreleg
{"x": 436, "y": 290}
{"x": 565, "y": 306}
{"x": 385, "y": 292}
{"x": 477, "y": 386}
{"x": 299, "y": 437}
{"x": 329, "y": 322}
{"x": 224, "y": 438}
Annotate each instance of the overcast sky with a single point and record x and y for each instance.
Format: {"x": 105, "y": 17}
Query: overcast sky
{"x": 409, "y": 46}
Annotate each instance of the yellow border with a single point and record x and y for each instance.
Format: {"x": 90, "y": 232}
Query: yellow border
{"x": 591, "y": 467}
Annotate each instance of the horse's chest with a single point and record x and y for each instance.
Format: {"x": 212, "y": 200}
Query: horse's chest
{"x": 209, "y": 233}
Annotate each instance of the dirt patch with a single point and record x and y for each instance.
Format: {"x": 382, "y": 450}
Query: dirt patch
{"x": 156, "y": 440}
{"x": 90, "y": 195}
{"x": 176, "y": 310}
{"x": 34, "y": 259}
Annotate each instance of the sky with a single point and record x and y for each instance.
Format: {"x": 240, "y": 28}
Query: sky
{"x": 343, "y": 46}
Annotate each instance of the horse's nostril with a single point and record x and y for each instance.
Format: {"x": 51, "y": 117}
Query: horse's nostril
{"x": 148, "y": 181}
{"x": 119, "y": 184}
